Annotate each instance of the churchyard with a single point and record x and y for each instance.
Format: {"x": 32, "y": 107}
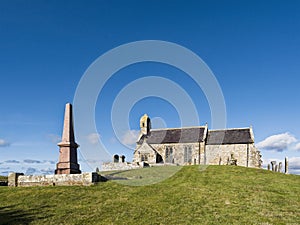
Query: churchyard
{"x": 193, "y": 195}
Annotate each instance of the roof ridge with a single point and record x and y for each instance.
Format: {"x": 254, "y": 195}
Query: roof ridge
{"x": 177, "y": 128}
{"x": 240, "y": 128}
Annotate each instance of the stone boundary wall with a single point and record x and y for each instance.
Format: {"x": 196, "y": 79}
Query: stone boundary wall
{"x": 85, "y": 179}
{"x": 110, "y": 166}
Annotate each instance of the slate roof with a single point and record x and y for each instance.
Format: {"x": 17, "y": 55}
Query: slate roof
{"x": 176, "y": 135}
{"x": 230, "y": 136}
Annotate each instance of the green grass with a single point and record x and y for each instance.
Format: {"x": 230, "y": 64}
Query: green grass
{"x": 217, "y": 195}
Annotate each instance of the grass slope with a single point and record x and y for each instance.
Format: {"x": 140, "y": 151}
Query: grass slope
{"x": 217, "y": 195}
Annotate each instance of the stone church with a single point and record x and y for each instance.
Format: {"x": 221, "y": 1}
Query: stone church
{"x": 196, "y": 145}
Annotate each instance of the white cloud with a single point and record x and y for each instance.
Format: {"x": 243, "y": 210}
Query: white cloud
{"x": 278, "y": 142}
{"x": 48, "y": 162}
{"x": 28, "y": 167}
{"x": 4, "y": 143}
{"x": 30, "y": 171}
{"x": 31, "y": 161}
{"x": 12, "y": 161}
{"x": 130, "y": 137}
{"x": 297, "y": 147}
{"x": 93, "y": 138}
{"x": 47, "y": 171}
{"x": 294, "y": 163}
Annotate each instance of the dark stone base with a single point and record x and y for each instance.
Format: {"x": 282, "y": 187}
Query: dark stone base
{"x": 67, "y": 171}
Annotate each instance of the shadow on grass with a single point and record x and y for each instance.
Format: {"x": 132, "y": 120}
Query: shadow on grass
{"x": 11, "y": 215}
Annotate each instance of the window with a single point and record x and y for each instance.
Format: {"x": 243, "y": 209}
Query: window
{"x": 187, "y": 154}
{"x": 169, "y": 154}
{"x": 144, "y": 157}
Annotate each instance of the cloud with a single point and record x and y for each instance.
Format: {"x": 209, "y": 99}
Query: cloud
{"x": 31, "y": 161}
{"x": 47, "y": 171}
{"x": 4, "y": 143}
{"x": 31, "y": 170}
{"x": 4, "y": 168}
{"x": 28, "y": 167}
{"x": 294, "y": 163}
{"x": 130, "y": 137}
{"x": 297, "y": 147}
{"x": 278, "y": 142}
{"x": 93, "y": 138}
{"x": 12, "y": 161}
{"x": 48, "y": 161}
{"x": 5, "y": 173}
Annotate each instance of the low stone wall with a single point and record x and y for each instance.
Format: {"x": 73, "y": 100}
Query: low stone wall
{"x": 85, "y": 179}
{"x": 120, "y": 166}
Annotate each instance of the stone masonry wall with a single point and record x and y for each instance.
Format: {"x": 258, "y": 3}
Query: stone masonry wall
{"x": 119, "y": 166}
{"x": 219, "y": 154}
{"x": 178, "y": 152}
{"x": 84, "y": 179}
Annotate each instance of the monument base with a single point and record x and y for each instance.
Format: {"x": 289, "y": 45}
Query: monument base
{"x": 67, "y": 168}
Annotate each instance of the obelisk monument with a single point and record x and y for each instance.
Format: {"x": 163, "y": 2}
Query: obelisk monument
{"x": 68, "y": 163}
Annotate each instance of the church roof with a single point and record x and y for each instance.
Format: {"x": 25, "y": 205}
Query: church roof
{"x": 176, "y": 135}
{"x": 230, "y": 136}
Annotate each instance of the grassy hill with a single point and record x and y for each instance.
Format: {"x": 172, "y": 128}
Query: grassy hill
{"x": 217, "y": 195}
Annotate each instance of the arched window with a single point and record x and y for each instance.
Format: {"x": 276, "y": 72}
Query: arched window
{"x": 144, "y": 157}
{"x": 169, "y": 154}
{"x": 187, "y": 154}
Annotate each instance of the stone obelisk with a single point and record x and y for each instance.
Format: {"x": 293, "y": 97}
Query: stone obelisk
{"x": 68, "y": 163}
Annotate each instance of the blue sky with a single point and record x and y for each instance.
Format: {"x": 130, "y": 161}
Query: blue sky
{"x": 252, "y": 47}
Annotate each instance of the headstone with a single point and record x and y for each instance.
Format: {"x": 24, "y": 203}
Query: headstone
{"x": 68, "y": 163}
{"x": 279, "y": 167}
{"x": 286, "y": 165}
{"x": 116, "y": 158}
{"x": 122, "y": 159}
{"x": 273, "y": 163}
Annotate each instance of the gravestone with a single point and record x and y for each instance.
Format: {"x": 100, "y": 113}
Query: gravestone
{"x": 279, "y": 167}
{"x": 122, "y": 158}
{"x": 273, "y": 163}
{"x": 286, "y": 165}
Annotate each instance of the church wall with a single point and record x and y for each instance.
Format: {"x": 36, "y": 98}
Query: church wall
{"x": 144, "y": 151}
{"x": 219, "y": 154}
{"x": 254, "y": 157}
{"x": 178, "y": 152}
